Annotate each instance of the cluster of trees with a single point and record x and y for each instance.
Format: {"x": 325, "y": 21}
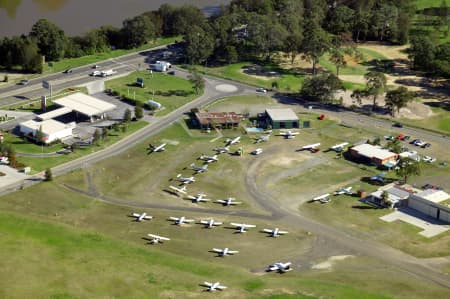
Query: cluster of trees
{"x": 426, "y": 55}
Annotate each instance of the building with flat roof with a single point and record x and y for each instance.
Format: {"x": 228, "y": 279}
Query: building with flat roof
{"x": 218, "y": 119}
{"x": 374, "y": 154}
{"x": 429, "y": 202}
{"x": 52, "y": 130}
{"x": 282, "y": 118}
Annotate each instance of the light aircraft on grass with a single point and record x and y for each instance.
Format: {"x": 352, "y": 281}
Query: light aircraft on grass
{"x": 225, "y": 251}
{"x": 208, "y": 159}
{"x": 178, "y": 190}
{"x": 288, "y": 134}
{"x": 233, "y": 141}
{"x": 280, "y": 267}
{"x": 262, "y": 138}
{"x": 322, "y": 198}
{"x": 229, "y": 201}
{"x": 339, "y": 147}
{"x": 242, "y": 226}
{"x": 158, "y": 148}
{"x": 210, "y": 223}
{"x": 274, "y": 232}
{"x": 199, "y": 169}
{"x": 211, "y": 287}
{"x": 157, "y": 239}
{"x": 311, "y": 147}
{"x": 185, "y": 180}
{"x": 181, "y": 220}
{"x": 347, "y": 190}
{"x": 198, "y": 198}
{"x": 4, "y": 160}
{"x": 141, "y": 217}
{"x": 222, "y": 150}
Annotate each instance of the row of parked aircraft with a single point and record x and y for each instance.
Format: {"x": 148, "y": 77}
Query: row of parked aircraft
{"x": 325, "y": 198}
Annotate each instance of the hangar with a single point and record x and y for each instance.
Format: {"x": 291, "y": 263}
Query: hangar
{"x": 429, "y": 201}
{"x": 374, "y": 154}
{"x": 282, "y": 118}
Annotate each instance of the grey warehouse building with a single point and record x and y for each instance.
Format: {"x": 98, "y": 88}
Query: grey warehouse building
{"x": 282, "y": 118}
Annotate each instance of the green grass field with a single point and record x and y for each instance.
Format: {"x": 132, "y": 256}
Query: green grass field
{"x": 172, "y": 92}
{"x": 440, "y": 121}
{"x": 421, "y": 4}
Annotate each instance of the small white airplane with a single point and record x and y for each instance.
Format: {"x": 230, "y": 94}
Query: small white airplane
{"x": 178, "y": 190}
{"x": 210, "y": 223}
{"x": 158, "y": 148}
{"x": 225, "y": 251}
{"x": 242, "y": 226}
{"x": 288, "y": 134}
{"x": 274, "y": 232}
{"x": 185, "y": 180}
{"x": 229, "y": 201}
{"x": 310, "y": 147}
{"x": 199, "y": 169}
{"x": 208, "y": 159}
{"x": 281, "y": 267}
{"x": 222, "y": 150}
{"x": 4, "y": 160}
{"x": 157, "y": 239}
{"x": 322, "y": 198}
{"x": 262, "y": 138}
{"x": 213, "y": 286}
{"x": 233, "y": 141}
{"x": 141, "y": 217}
{"x": 181, "y": 220}
{"x": 339, "y": 147}
{"x": 347, "y": 190}
{"x": 198, "y": 198}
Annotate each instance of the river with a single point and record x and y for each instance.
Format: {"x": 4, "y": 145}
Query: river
{"x": 78, "y": 16}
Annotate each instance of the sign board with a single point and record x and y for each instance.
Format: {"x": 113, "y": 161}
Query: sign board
{"x": 306, "y": 124}
{"x": 46, "y": 84}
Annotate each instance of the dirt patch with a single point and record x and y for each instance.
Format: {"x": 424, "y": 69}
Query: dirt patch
{"x": 329, "y": 263}
{"x": 287, "y": 161}
{"x": 259, "y": 72}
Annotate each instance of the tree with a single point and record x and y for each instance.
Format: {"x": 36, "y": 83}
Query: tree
{"x": 96, "y": 136}
{"x": 316, "y": 43}
{"x": 231, "y": 55}
{"x": 265, "y": 34}
{"x": 127, "y": 115}
{"x": 11, "y": 154}
{"x": 337, "y": 57}
{"x": 385, "y": 198}
{"x": 408, "y": 167}
{"x": 105, "y": 133}
{"x": 39, "y": 135}
{"x": 48, "y": 176}
{"x": 137, "y": 31}
{"x": 199, "y": 44}
{"x": 138, "y": 111}
{"x": 198, "y": 83}
{"x": 375, "y": 85}
{"x": 397, "y": 99}
{"x": 50, "y": 39}
{"x": 322, "y": 87}
{"x": 394, "y": 145}
{"x": 421, "y": 52}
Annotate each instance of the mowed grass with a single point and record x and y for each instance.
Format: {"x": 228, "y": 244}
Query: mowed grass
{"x": 170, "y": 91}
{"x": 68, "y": 63}
{"x": 440, "y": 121}
{"x": 38, "y": 164}
{"x": 64, "y": 245}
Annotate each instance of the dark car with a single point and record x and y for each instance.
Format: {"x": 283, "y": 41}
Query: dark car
{"x": 397, "y": 125}
{"x": 426, "y": 145}
{"x": 68, "y": 71}
{"x": 24, "y": 82}
{"x": 414, "y": 141}
{"x": 406, "y": 137}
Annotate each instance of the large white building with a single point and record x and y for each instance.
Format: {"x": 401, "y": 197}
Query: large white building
{"x": 52, "y": 130}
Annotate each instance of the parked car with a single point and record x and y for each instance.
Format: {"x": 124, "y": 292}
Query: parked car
{"x": 426, "y": 145}
{"x": 430, "y": 186}
{"x": 414, "y": 141}
{"x": 389, "y": 137}
{"x": 406, "y": 138}
{"x": 68, "y": 71}
{"x": 257, "y": 151}
{"x": 400, "y": 137}
{"x": 419, "y": 142}
{"x": 95, "y": 66}
{"x": 397, "y": 125}
{"x": 428, "y": 159}
{"x": 24, "y": 82}
{"x": 263, "y": 90}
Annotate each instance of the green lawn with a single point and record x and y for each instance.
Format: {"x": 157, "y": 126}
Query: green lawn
{"x": 41, "y": 163}
{"x": 67, "y": 63}
{"x": 440, "y": 121}
{"x": 421, "y": 4}
{"x": 172, "y": 92}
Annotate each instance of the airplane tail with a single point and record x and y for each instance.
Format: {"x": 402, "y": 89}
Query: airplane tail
{"x": 178, "y": 175}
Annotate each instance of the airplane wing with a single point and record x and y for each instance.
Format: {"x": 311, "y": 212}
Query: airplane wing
{"x": 235, "y": 203}
{"x": 233, "y": 251}
{"x": 248, "y": 225}
{"x": 174, "y": 218}
{"x": 148, "y": 217}
{"x": 221, "y": 287}
{"x": 285, "y": 265}
{"x": 188, "y": 220}
{"x": 136, "y": 215}
{"x": 236, "y": 224}
{"x": 273, "y": 268}
{"x": 208, "y": 284}
{"x": 266, "y": 230}
{"x": 204, "y": 221}
{"x": 282, "y": 232}
{"x": 217, "y": 223}
{"x": 217, "y": 250}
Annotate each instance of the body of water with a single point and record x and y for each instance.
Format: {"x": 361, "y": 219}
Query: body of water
{"x": 78, "y": 16}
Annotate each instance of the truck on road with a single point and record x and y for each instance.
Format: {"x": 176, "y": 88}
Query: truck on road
{"x": 108, "y": 73}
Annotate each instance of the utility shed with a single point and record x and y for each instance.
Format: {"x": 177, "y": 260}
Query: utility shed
{"x": 373, "y": 153}
{"x": 52, "y": 130}
{"x": 428, "y": 202}
{"x": 218, "y": 119}
{"x": 282, "y": 118}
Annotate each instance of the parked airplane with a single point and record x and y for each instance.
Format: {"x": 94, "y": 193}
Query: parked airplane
{"x": 210, "y": 223}
{"x": 262, "y": 138}
{"x": 222, "y": 150}
{"x": 280, "y": 267}
{"x": 322, "y": 198}
{"x": 274, "y": 232}
{"x": 157, "y": 239}
{"x": 185, "y": 180}
{"x": 378, "y": 178}
{"x": 199, "y": 169}
{"x": 198, "y": 198}
{"x": 4, "y": 160}
{"x": 181, "y": 220}
{"x": 242, "y": 226}
{"x": 311, "y": 147}
{"x": 158, "y": 148}
{"x": 208, "y": 159}
{"x": 229, "y": 201}
{"x": 225, "y": 251}
{"x": 141, "y": 217}
{"x": 213, "y": 286}
{"x": 233, "y": 141}
{"x": 178, "y": 190}
{"x": 288, "y": 134}
{"x": 347, "y": 190}
{"x": 339, "y": 147}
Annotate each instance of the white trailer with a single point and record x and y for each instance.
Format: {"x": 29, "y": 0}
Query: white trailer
{"x": 161, "y": 66}
{"x": 108, "y": 73}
